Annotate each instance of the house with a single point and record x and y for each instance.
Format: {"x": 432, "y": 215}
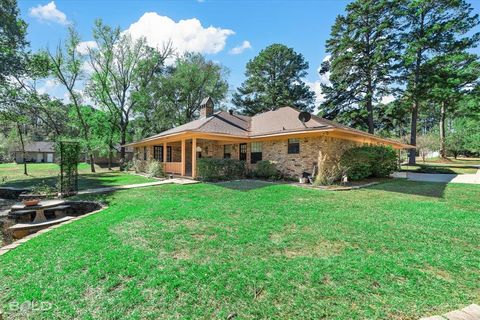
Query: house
{"x": 280, "y": 136}
{"x": 40, "y": 151}
{"x": 44, "y": 152}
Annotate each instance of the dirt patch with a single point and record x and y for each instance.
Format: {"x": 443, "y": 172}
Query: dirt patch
{"x": 323, "y": 248}
{"x": 132, "y": 233}
{"x": 438, "y": 273}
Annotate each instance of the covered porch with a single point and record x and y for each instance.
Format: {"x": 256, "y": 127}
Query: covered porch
{"x": 179, "y": 156}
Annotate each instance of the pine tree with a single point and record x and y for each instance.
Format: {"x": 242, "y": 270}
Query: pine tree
{"x": 431, "y": 28}
{"x": 274, "y": 80}
{"x": 362, "y": 49}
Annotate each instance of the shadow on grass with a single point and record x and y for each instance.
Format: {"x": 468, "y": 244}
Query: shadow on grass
{"x": 244, "y": 185}
{"x": 425, "y": 189}
{"x": 85, "y": 181}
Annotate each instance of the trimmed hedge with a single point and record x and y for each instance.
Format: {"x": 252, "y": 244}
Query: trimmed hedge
{"x": 209, "y": 169}
{"x": 266, "y": 170}
{"x": 369, "y": 161}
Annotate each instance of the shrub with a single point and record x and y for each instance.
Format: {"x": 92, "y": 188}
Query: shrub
{"x": 209, "y": 169}
{"x": 138, "y": 165}
{"x": 369, "y": 161}
{"x": 155, "y": 169}
{"x": 266, "y": 170}
{"x": 327, "y": 173}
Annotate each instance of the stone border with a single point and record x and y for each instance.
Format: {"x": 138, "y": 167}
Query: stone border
{"x": 471, "y": 312}
{"x": 339, "y": 188}
{"x": 17, "y": 243}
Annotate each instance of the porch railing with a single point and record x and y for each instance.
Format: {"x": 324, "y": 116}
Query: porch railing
{"x": 173, "y": 167}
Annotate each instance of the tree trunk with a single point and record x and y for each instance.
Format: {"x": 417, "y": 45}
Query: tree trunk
{"x": 25, "y": 172}
{"x": 370, "y": 114}
{"x": 110, "y": 159}
{"x": 92, "y": 164}
{"x": 443, "y": 152}
{"x": 123, "y": 140}
{"x": 413, "y": 134}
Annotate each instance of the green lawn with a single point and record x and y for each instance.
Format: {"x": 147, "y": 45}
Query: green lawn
{"x": 397, "y": 250}
{"x": 11, "y": 175}
{"x": 452, "y": 166}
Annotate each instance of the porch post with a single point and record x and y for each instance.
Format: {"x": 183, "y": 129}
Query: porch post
{"x": 194, "y": 158}
{"x": 164, "y": 153}
{"x": 183, "y": 157}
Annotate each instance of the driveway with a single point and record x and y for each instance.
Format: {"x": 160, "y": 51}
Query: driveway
{"x": 443, "y": 178}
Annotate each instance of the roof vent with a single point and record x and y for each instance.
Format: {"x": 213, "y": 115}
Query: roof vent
{"x": 206, "y": 107}
{"x": 231, "y": 112}
{"x": 304, "y": 117}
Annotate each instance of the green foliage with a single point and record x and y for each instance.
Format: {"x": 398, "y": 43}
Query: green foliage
{"x": 175, "y": 98}
{"x": 274, "y": 80}
{"x": 363, "y": 47}
{"x": 209, "y": 169}
{"x": 427, "y": 143}
{"x": 369, "y": 161}
{"x": 68, "y": 155}
{"x": 13, "y": 41}
{"x": 43, "y": 189}
{"x": 155, "y": 169}
{"x": 266, "y": 170}
{"x": 139, "y": 165}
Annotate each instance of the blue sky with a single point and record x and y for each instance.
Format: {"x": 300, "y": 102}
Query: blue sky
{"x": 303, "y": 25}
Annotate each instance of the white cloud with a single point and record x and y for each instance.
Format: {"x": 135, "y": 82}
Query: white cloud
{"x": 315, "y": 86}
{"x": 239, "y": 49}
{"x": 49, "y": 13}
{"x": 83, "y": 47}
{"x": 387, "y": 99}
{"x": 185, "y": 35}
{"x": 49, "y": 86}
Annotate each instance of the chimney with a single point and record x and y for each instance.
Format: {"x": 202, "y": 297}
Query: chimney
{"x": 206, "y": 108}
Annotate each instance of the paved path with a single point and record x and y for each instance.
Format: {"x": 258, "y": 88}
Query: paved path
{"x": 472, "y": 312}
{"x": 138, "y": 185}
{"x": 444, "y": 178}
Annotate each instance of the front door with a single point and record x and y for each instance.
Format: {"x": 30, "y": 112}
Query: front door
{"x": 49, "y": 157}
{"x": 39, "y": 157}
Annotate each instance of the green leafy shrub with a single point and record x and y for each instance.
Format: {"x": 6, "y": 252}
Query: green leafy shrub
{"x": 369, "y": 161}
{"x": 155, "y": 169}
{"x": 209, "y": 169}
{"x": 266, "y": 170}
{"x": 139, "y": 166}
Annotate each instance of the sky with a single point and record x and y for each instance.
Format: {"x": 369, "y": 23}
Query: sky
{"x": 228, "y": 32}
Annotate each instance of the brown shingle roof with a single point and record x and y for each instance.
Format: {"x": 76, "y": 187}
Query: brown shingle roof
{"x": 282, "y": 120}
{"x": 39, "y": 146}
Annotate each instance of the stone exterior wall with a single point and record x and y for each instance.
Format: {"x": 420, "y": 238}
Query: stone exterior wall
{"x": 292, "y": 165}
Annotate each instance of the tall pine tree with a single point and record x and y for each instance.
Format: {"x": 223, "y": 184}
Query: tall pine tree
{"x": 431, "y": 28}
{"x": 362, "y": 49}
{"x": 274, "y": 80}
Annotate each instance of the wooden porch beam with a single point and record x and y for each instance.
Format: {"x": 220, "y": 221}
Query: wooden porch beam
{"x": 164, "y": 152}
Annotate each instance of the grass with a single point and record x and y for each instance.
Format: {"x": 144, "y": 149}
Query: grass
{"x": 397, "y": 250}
{"x": 445, "y": 166}
{"x": 46, "y": 173}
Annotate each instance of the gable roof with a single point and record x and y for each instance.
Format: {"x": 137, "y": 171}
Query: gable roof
{"x": 281, "y": 121}
{"x": 39, "y": 146}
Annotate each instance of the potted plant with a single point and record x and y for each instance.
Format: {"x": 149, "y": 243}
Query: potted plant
{"x": 37, "y": 193}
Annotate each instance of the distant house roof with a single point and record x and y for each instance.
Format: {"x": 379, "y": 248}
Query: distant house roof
{"x": 281, "y": 121}
{"x": 39, "y": 146}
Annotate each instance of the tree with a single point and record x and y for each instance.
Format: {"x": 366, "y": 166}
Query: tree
{"x": 179, "y": 93}
{"x": 430, "y": 28}
{"x": 427, "y": 143}
{"x": 67, "y": 68}
{"x": 362, "y": 48}
{"x": 451, "y": 78}
{"x": 12, "y": 39}
{"x": 119, "y": 74}
{"x": 274, "y": 80}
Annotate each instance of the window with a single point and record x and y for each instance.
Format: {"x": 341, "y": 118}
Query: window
{"x": 137, "y": 153}
{"x": 227, "y": 151}
{"x": 293, "y": 146}
{"x": 158, "y": 153}
{"x": 144, "y": 153}
{"x": 243, "y": 151}
{"x": 169, "y": 153}
{"x": 256, "y": 152}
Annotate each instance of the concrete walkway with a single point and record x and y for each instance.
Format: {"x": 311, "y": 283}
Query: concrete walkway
{"x": 472, "y": 312}
{"x": 443, "y": 178}
{"x": 138, "y": 185}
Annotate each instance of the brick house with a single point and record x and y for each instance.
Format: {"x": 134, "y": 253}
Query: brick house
{"x": 279, "y": 136}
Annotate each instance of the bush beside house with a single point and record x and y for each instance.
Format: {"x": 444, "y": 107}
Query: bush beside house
{"x": 210, "y": 169}
{"x": 369, "y": 161}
